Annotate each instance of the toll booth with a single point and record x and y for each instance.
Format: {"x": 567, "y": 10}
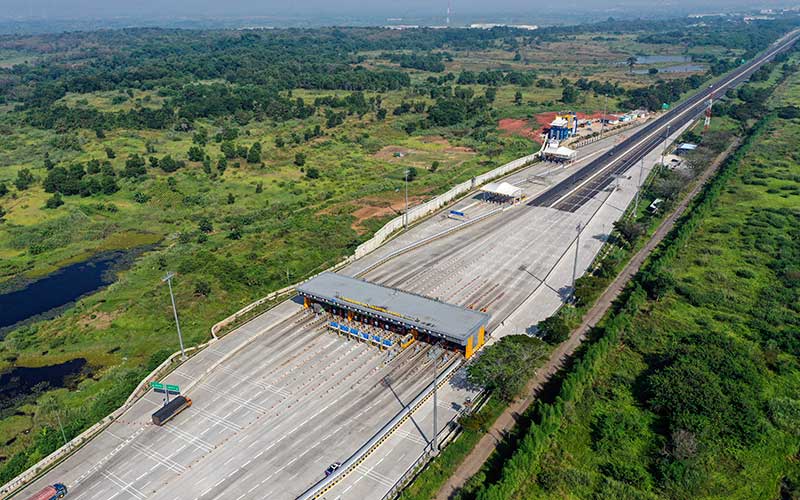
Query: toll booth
{"x": 388, "y": 317}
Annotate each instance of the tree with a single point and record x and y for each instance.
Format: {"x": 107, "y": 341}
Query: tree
{"x": 312, "y": 173}
{"x": 134, "y": 167}
{"x": 54, "y": 201}
{"x": 652, "y": 71}
{"x": 228, "y": 149}
{"x": 631, "y": 63}
{"x": 2, "y": 215}
{"x": 518, "y": 98}
{"x": 569, "y": 95}
{"x": 412, "y": 174}
{"x": 24, "y": 179}
{"x": 505, "y": 367}
{"x": 205, "y": 225}
{"x": 231, "y": 199}
{"x": 110, "y": 153}
{"x": 222, "y": 165}
{"x": 3, "y": 189}
{"x": 196, "y": 153}
{"x": 629, "y": 230}
{"x": 168, "y": 164}
{"x": 200, "y": 137}
{"x": 380, "y": 114}
{"x": 434, "y": 166}
{"x": 279, "y": 142}
{"x": 202, "y": 288}
{"x": 254, "y": 154}
{"x": 259, "y": 187}
{"x": 153, "y": 162}
{"x": 48, "y": 163}
{"x": 554, "y": 329}
{"x": 300, "y": 159}
{"x": 490, "y": 94}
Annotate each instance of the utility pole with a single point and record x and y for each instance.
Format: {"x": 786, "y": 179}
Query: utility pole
{"x": 405, "y": 214}
{"x": 168, "y": 279}
{"x": 603, "y": 119}
{"x": 638, "y": 188}
{"x": 434, "y": 441}
{"x": 575, "y": 264}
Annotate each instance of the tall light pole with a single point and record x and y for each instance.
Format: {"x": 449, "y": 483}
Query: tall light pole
{"x": 405, "y": 214}
{"x": 575, "y": 264}
{"x": 168, "y": 279}
{"x": 638, "y": 188}
{"x": 434, "y": 441}
{"x": 603, "y": 119}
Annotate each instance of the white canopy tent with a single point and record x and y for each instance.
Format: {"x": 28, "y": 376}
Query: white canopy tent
{"x": 503, "y": 189}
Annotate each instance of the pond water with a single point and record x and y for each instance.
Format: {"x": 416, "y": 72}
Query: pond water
{"x": 48, "y": 296}
{"x": 656, "y": 59}
{"x": 681, "y": 68}
{"x": 21, "y": 381}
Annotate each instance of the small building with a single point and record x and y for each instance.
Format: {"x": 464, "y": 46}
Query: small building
{"x": 686, "y": 147}
{"x": 562, "y": 154}
{"x": 609, "y": 119}
{"x": 396, "y": 311}
{"x": 503, "y": 191}
{"x": 563, "y": 126}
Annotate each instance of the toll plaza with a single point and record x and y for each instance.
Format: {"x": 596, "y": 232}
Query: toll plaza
{"x": 392, "y": 319}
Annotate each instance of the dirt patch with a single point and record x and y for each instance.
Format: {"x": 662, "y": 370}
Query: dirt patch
{"x": 370, "y": 208}
{"x": 544, "y": 119}
{"x": 389, "y": 152}
{"x": 515, "y": 126}
{"x": 98, "y": 320}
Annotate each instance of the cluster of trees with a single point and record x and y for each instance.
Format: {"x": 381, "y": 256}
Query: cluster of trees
{"x": 94, "y": 178}
{"x": 457, "y": 107}
{"x": 663, "y": 91}
{"x": 497, "y": 77}
{"x": 432, "y": 61}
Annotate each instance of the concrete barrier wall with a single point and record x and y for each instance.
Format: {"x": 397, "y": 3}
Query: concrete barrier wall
{"x": 415, "y": 213}
{"x": 430, "y": 206}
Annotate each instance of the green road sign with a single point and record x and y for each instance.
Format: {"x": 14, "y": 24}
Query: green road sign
{"x": 173, "y": 388}
{"x": 157, "y": 385}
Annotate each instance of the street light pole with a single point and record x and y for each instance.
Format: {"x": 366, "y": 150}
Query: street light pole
{"x": 638, "y": 188}
{"x": 664, "y": 151}
{"x": 434, "y": 442}
{"x": 168, "y": 279}
{"x": 405, "y": 214}
{"x": 575, "y": 264}
{"x": 603, "y": 119}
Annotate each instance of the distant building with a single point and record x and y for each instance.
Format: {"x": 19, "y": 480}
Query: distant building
{"x": 563, "y": 127}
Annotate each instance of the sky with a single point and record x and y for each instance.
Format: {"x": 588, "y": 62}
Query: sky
{"x": 335, "y": 11}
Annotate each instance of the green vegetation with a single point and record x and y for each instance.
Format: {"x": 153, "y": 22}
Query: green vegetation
{"x": 691, "y": 385}
{"x": 248, "y": 160}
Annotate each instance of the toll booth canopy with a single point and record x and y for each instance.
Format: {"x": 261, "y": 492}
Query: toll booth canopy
{"x": 455, "y": 325}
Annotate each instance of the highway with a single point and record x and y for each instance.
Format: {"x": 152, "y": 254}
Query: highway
{"x": 278, "y": 400}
